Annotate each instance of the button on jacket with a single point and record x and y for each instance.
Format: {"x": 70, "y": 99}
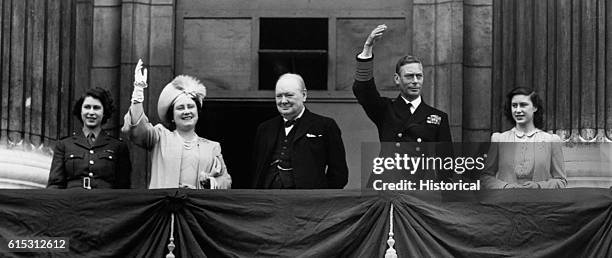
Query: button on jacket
{"x": 106, "y": 163}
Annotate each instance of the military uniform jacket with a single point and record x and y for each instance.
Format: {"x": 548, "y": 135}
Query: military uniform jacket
{"x": 317, "y": 157}
{"x": 399, "y": 130}
{"x": 392, "y": 117}
{"x": 106, "y": 163}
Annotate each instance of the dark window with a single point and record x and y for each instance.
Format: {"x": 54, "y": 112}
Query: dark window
{"x": 295, "y": 45}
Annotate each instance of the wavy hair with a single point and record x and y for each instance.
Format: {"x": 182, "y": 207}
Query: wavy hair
{"x": 103, "y": 95}
{"x": 538, "y": 117}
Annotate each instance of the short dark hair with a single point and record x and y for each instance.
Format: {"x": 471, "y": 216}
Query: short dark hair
{"x": 170, "y": 113}
{"x": 538, "y": 117}
{"x": 103, "y": 95}
{"x": 404, "y": 60}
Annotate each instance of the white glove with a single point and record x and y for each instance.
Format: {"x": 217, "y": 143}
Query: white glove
{"x": 213, "y": 183}
{"x": 140, "y": 82}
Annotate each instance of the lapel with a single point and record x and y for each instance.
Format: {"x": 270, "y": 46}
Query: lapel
{"x": 420, "y": 113}
{"x": 103, "y": 139}
{"x": 401, "y": 109}
{"x": 80, "y": 140}
{"x": 305, "y": 122}
{"x": 270, "y": 134}
{"x": 203, "y": 166}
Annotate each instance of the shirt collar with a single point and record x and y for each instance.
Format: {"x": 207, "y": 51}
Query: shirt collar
{"x": 87, "y": 131}
{"x": 298, "y": 116}
{"x": 415, "y": 103}
{"x": 521, "y": 134}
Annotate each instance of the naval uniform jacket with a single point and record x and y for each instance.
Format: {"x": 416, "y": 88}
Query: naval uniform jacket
{"x": 106, "y": 163}
{"x": 318, "y": 158}
{"x": 390, "y": 117}
{"x": 399, "y": 131}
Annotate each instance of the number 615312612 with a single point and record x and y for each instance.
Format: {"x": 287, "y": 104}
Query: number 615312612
{"x": 34, "y": 244}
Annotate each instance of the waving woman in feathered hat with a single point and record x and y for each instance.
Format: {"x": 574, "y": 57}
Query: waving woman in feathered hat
{"x": 180, "y": 158}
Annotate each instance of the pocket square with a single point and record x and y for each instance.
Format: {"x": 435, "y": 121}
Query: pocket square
{"x": 313, "y": 135}
{"x": 434, "y": 119}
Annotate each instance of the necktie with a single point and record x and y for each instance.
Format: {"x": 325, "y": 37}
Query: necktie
{"x": 409, "y": 107}
{"x": 289, "y": 123}
{"x": 91, "y": 138}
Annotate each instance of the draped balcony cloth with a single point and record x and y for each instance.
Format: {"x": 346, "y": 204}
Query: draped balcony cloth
{"x": 312, "y": 223}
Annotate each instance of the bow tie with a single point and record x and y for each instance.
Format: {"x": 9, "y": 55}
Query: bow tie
{"x": 290, "y": 123}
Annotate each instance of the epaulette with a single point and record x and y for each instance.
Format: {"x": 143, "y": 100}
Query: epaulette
{"x": 68, "y": 136}
{"x": 113, "y": 137}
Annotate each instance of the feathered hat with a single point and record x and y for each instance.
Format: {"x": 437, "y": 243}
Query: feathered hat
{"x": 182, "y": 84}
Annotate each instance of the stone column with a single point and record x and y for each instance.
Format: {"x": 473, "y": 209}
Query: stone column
{"x": 106, "y": 47}
{"x": 477, "y": 69}
{"x": 438, "y": 41}
{"x": 82, "y": 54}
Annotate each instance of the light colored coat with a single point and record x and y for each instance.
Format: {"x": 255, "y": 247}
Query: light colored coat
{"x": 166, "y": 149}
{"x": 549, "y": 166}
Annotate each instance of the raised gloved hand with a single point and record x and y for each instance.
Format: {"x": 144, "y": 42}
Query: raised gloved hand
{"x": 140, "y": 82}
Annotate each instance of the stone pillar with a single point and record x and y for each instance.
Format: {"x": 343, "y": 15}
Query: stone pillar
{"x": 438, "y": 41}
{"x": 477, "y": 69}
{"x": 82, "y": 54}
{"x": 106, "y": 47}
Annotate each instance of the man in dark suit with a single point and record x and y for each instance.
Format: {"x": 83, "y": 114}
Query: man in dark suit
{"x": 298, "y": 149}
{"x": 407, "y": 120}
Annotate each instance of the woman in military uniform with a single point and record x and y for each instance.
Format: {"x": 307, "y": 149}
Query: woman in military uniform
{"x": 90, "y": 158}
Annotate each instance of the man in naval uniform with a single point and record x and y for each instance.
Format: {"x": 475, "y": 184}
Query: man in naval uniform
{"x": 404, "y": 122}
